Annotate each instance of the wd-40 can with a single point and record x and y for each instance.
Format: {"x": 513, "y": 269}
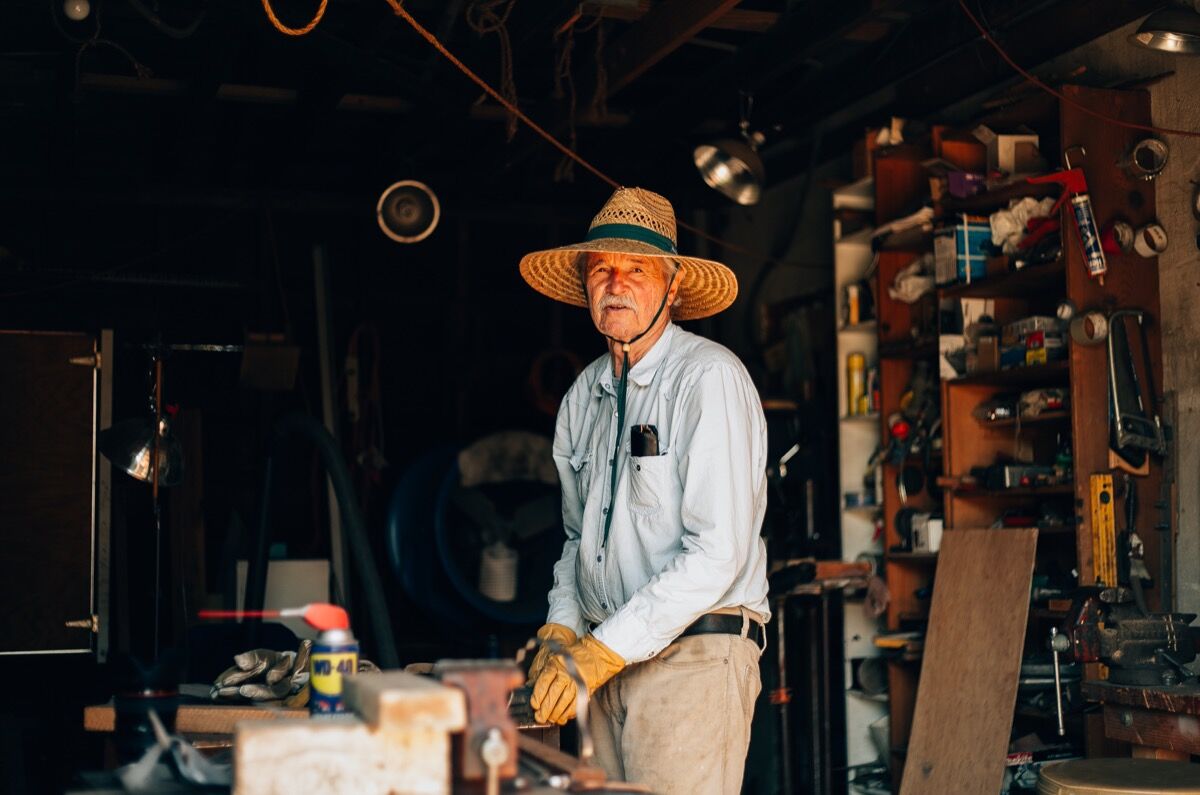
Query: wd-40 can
{"x": 1089, "y": 236}
{"x": 334, "y": 657}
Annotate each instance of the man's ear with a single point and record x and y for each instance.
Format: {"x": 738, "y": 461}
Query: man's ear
{"x": 673, "y": 296}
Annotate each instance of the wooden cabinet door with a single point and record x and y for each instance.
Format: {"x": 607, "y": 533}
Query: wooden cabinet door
{"x": 48, "y": 412}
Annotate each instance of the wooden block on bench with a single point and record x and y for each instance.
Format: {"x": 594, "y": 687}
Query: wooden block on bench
{"x": 401, "y": 744}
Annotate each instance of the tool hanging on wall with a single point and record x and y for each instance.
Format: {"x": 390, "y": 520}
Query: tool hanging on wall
{"x": 1135, "y": 431}
{"x": 1104, "y": 545}
{"x": 1075, "y": 188}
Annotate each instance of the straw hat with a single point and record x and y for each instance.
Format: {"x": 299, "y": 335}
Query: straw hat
{"x": 633, "y": 221}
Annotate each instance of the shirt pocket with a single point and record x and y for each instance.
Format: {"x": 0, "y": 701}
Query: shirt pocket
{"x": 581, "y": 463}
{"x": 648, "y": 479}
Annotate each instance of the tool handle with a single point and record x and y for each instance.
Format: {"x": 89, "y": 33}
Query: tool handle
{"x": 1057, "y": 683}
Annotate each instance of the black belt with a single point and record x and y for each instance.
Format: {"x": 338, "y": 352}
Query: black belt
{"x": 722, "y": 624}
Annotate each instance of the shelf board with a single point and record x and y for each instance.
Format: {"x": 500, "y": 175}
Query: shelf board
{"x": 1033, "y": 281}
{"x": 868, "y": 511}
{"x": 872, "y": 417}
{"x": 1033, "y": 374}
{"x": 881, "y": 698}
{"x": 1046, "y": 417}
{"x": 997, "y": 198}
{"x": 858, "y": 328}
{"x": 1018, "y": 491}
{"x": 931, "y": 556}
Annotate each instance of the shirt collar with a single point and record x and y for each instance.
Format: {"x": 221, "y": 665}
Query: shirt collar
{"x": 643, "y": 372}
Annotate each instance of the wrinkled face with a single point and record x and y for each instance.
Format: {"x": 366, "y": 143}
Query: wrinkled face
{"x": 625, "y": 290}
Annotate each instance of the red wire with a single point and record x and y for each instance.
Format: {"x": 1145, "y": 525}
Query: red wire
{"x": 1063, "y": 97}
{"x": 399, "y": 9}
{"x": 237, "y": 614}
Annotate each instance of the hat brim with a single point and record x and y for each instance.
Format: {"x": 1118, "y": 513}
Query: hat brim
{"x": 706, "y": 286}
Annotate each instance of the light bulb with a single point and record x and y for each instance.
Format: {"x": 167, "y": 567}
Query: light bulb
{"x": 77, "y": 10}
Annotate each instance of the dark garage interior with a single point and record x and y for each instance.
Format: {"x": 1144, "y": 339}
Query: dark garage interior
{"x": 891, "y": 303}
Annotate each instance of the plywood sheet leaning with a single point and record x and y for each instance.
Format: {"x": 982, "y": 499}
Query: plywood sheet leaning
{"x": 972, "y": 662}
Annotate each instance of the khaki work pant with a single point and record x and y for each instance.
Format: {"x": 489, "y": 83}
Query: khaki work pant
{"x": 680, "y": 722}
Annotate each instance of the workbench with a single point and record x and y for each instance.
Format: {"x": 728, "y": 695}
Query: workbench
{"x": 1160, "y": 722}
{"x": 211, "y": 726}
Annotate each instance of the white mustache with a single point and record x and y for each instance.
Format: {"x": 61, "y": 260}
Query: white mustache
{"x": 617, "y": 301}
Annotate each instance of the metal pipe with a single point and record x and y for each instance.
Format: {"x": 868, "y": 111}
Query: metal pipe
{"x": 299, "y": 424}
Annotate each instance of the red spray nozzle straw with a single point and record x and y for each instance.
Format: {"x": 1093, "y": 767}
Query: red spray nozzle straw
{"x": 1072, "y": 180}
{"x": 317, "y": 615}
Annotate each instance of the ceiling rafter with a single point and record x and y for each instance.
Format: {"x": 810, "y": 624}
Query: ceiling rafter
{"x": 664, "y": 29}
{"x": 744, "y": 20}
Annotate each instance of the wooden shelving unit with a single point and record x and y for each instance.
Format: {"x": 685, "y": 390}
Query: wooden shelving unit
{"x": 858, "y": 437}
{"x": 970, "y": 442}
{"x": 900, "y": 183}
{"x": 906, "y": 337}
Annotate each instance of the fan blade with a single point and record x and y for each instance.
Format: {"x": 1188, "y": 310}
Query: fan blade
{"x": 536, "y": 517}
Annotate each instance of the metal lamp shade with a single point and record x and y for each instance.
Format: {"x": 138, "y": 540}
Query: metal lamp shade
{"x": 129, "y": 444}
{"x": 1174, "y": 30}
{"x": 733, "y": 168}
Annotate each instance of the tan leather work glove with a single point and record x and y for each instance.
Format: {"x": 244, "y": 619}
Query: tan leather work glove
{"x": 564, "y": 635}
{"x": 554, "y": 692}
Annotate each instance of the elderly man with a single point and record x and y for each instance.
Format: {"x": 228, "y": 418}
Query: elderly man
{"x": 661, "y": 592}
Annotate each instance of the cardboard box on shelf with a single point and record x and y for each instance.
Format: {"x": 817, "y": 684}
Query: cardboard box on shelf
{"x": 1012, "y": 153}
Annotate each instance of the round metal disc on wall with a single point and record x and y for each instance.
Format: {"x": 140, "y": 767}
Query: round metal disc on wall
{"x": 1120, "y": 777}
{"x": 408, "y": 211}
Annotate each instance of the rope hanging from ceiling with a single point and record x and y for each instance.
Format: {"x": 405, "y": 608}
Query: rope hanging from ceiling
{"x": 282, "y": 28}
{"x": 483, "y": 17}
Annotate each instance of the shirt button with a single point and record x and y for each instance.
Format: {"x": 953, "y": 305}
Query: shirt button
{"x": 604, "y": 511}
{"x": 639, "y": 467}
{"x": 599, "y": 558}
{"x": 603, "y": 606}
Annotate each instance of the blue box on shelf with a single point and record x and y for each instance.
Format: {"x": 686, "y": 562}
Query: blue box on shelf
{"x": 972, "y": 237}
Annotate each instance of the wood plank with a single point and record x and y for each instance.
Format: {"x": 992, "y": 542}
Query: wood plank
{"x": 1153, "y": 728}
{"x": 396, "y": 700}
{"x": 663, "y": 30}
{"x": 745, "y": 20}
{"x": 342, "y": 756}
{"x": 1181, "y": 699}
{"x": 196, "y": 718}
{"x": 972, "y": 662}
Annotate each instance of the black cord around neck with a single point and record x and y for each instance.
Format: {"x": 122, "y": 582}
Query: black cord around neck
{"x": 622, "y": 389}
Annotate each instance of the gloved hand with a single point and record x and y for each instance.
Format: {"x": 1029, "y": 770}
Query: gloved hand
{"x": 554, "y": 692}
{"x": 564, "y": 635}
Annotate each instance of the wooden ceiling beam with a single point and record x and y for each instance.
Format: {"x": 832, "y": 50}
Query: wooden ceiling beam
{"x": 664, "y": 29}
{"x": 744, "y": 20}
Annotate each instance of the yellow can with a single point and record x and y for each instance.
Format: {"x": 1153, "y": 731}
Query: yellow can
{"x": 856, "y": 383}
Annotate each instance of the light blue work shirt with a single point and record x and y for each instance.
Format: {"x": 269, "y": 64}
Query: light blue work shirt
{"x": 685, "y": 538}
